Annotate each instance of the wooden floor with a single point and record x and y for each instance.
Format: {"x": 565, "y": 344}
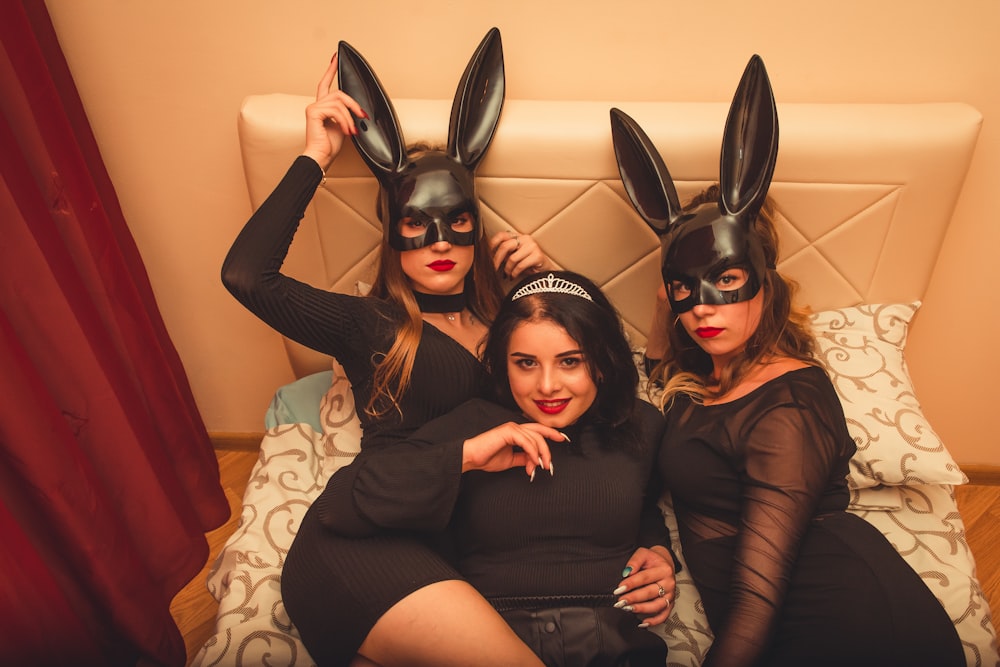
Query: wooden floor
{"x": 194, "y": 608}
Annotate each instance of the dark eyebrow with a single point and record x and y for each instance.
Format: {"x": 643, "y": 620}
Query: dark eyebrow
{"x": 568, "y": 353}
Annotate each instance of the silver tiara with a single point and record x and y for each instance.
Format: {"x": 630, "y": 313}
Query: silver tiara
{"x": 551, "y": 284}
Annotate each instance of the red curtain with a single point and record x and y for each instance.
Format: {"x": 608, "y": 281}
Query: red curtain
{"x": 108, "y": 480}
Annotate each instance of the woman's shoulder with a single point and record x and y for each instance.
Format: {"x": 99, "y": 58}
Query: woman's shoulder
{"x": 771, "y": 380}
{"x": 649, "y": 420}
{"x": 646, "y": 411}
{"x": 807, "y": 388}
{"x": 808, "y": 376}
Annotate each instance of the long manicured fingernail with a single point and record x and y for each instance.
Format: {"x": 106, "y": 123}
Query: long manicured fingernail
{"x": 565, "y": 437}
{"x": 621, "y": 604}
{"x": 627, "y": 571}
{"x": 532, "y": 479}
{"x": 552, "y": 469}
{"x": 621, "y": 589}
{"x": 643, "y": 625}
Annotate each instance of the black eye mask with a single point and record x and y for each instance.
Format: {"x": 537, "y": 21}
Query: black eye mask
{"x": 701, "y": 250}
{"x": 433, "y": 191}
{"x": 696, "y": 246}
{"x": 435, "y": 186}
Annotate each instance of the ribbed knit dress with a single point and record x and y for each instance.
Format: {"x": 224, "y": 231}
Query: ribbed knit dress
{"x": 335, "y": 589}
{"x": 557, "y": 541}
{"x": 568, "y": 534}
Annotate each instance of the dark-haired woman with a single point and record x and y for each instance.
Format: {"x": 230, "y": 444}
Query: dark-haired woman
{"x": 546, "y": 494}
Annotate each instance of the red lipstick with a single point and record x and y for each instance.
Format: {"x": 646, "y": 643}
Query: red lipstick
{"x": 552, "y": 407}
{"x": 708, "y": 332}
{"x": 442, "y": 265}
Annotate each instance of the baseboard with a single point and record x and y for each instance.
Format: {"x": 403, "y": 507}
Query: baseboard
{"x": 983, "y": 475}
{"x": 247, "y": 442}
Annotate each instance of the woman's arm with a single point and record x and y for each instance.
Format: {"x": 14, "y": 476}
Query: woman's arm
{"x": 414, "y": 484}
{"x": 789, "y": 457}
{"x": 410, "y": 485}
{"x": 314, "y": 317}
{"x": 251, "y": 271}
{"x": 649, "y": 585}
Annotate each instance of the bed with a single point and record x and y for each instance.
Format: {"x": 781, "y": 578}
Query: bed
{"x": 864, "y": 193}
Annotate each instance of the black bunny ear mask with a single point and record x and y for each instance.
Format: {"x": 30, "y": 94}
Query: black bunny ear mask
{"x": 437, "y": 186}
{"x": 697, "y": 246}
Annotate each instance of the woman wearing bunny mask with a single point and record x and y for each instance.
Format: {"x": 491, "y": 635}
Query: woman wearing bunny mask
{"x": 756, "y": 450}
{"x": 435, "y": 292}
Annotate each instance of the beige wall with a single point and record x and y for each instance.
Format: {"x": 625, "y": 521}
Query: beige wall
{"x": 162, "y": 83}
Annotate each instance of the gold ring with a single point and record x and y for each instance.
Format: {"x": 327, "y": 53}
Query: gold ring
{"x": 662, "y": 592}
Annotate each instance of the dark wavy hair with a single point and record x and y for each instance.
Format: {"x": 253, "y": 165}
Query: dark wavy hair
{"x": 594, "y": 325}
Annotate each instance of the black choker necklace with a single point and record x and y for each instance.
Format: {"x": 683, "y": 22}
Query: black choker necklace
{"x": 440, "y": 303}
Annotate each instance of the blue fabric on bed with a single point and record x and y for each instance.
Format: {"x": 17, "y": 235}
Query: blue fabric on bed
{"x": 298, "y": 402}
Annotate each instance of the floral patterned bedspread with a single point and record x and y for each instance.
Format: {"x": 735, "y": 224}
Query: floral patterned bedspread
{"x": 252, "y": 628}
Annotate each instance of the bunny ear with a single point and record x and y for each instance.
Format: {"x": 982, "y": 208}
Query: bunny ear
{"x": 646, "y": 179}
{"x": 475, "y": 110}
{"x": 749, "y": 144}
{"x": 379, "y": 139}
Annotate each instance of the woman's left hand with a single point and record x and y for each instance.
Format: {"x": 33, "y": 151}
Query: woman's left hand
{"x": 649, "y": 587}
{"x": 517, "y": 255}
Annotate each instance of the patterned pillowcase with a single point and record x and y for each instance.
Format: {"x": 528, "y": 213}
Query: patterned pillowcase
{"x": 862, "y": 350}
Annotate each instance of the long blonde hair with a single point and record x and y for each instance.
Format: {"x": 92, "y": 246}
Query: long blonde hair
{"x": 783, "y": 329}
{"x": 482, "y": 288}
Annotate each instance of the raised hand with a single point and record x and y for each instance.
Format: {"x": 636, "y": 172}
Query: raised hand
{"x": 329, "y": 119}
{"x": 517, "y": 255}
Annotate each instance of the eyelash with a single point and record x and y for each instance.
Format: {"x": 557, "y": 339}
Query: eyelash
{"x": 457, "y": 220}
{"x": 569, "y": 362}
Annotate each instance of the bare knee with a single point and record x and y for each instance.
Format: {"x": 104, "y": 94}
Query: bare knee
{"x": 447, "y": 623}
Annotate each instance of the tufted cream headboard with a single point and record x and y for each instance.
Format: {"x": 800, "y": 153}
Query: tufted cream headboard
{"x": 865, "y": 192}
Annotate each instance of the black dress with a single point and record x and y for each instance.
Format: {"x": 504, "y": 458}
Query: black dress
{"x": 559, "y": 541}
{"x": 786, "y": 574}
{"x": 335, "y": 589}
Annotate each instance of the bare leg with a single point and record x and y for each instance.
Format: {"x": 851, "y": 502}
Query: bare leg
{"x": 445, "y": 624}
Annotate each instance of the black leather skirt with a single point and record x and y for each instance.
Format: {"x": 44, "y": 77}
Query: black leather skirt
{"x": 586, "y": 636}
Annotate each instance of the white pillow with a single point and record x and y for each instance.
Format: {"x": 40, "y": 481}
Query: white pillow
{"x": 862, "y": 350}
